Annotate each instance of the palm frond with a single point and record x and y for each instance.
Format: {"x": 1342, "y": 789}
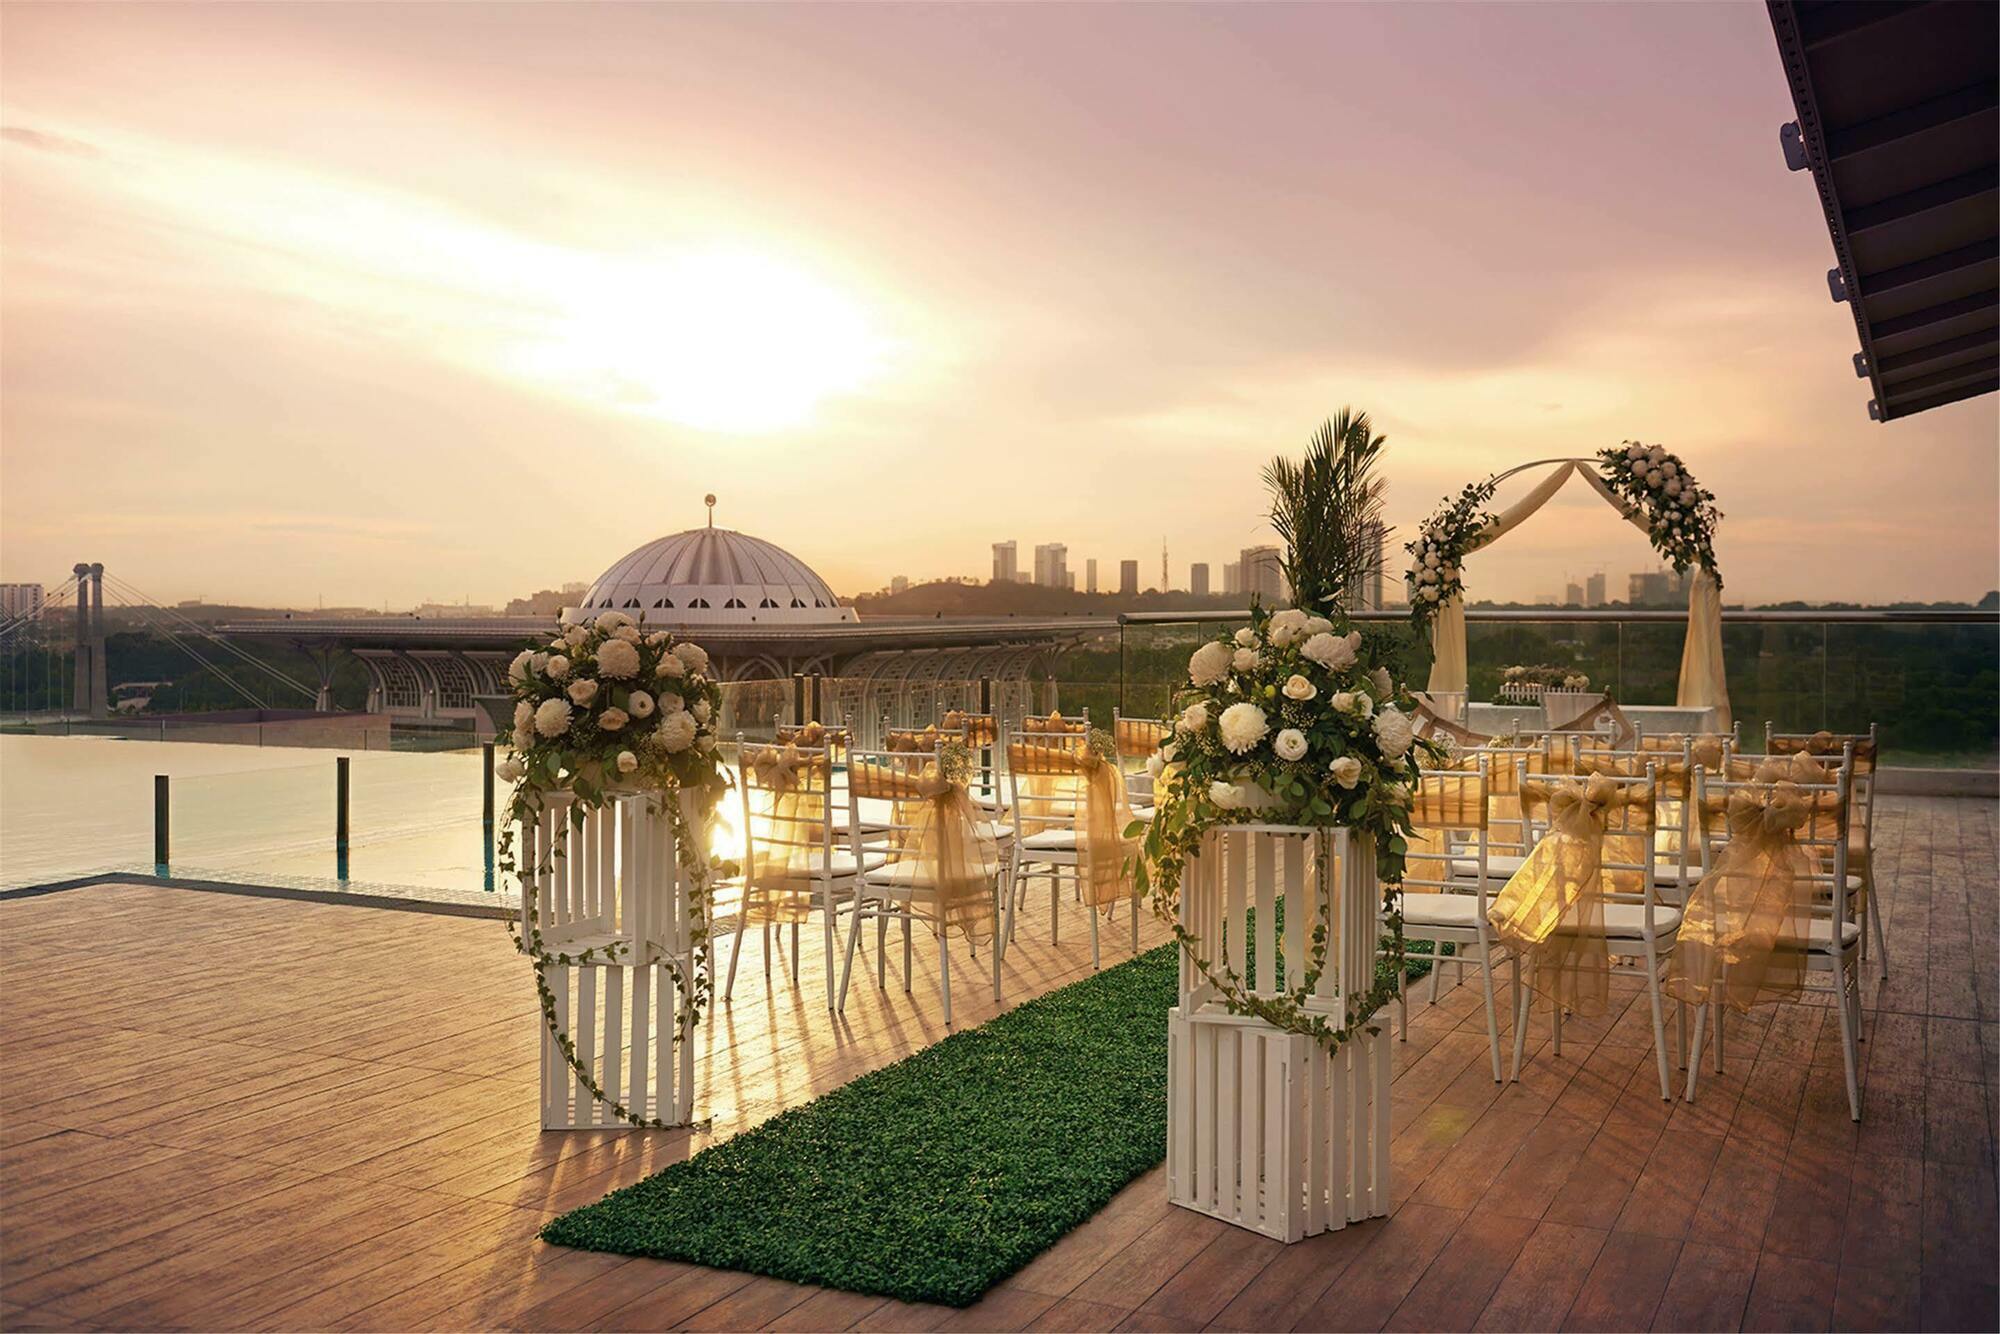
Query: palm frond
{"x": 1327, "y": 509}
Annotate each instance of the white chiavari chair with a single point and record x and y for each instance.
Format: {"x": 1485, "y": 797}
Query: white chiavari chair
{"x": 1866, "y": 753}
{"x": 1138, "y": 740}
{"x": 1637, "y": 926}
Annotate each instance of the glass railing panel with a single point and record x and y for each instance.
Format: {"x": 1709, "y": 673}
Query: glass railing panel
{"x": 1932, "y": 690}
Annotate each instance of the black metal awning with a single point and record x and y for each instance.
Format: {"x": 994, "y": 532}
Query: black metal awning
{"x": 1899, "y": 121}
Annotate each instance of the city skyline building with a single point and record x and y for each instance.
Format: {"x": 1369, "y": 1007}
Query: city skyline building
{"x": 1573, "y": 594}
{"x": 1593, "y": 590}
{"x": 1090, "y": 575}
{"x": 1261, "y": 573}
{"x": 1128, "y": 577}
{"x": 21, "y": 599}
{"x": 1198, "y": 578}
{"x": 1006, "y": 562}
{"x": 1052, "y": 565}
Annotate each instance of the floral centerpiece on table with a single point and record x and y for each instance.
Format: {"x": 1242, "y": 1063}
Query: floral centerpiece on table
{"x": 1529, "y": 682}
{"x": 603, "y": 709}
{"x": 1680, "y": 515}
{"x": 1290, "y": 721}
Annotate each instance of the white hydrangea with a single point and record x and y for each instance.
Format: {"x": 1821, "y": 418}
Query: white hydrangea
{"x": 1194, "y": 718}
{"x": 1393, "y": 733}
{"x": 613, "y": 719}
{"x": 610, "y": 621}
{"x": 628, "y": 633}
{"x": 1243, "y": 726}
{"x": 1286, "y": 627}
{"x": 1210, "y": 664}
{"x": 669, "y": 702}
{"x": 582, "y": 691}
{"x": 677, "y": 731}
{"x": 1290, "y": 744}
{"x": 617, "y": 660}
{"x": 552, "y": 717}
{"x": 1346, "y": 771}
{"x": 670, "y": 667}
{"x": 1297, "y": 687}
{"x": 1334, "y": 652}
{"x": 692, "y": 656}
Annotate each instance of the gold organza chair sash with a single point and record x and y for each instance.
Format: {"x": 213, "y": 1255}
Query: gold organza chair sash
{"x": 1552, "y": 909}
{"x": 814, "y": 734}
{"x": 1100, "y": 812}
{"x": 1053, "y": 722}
{"x": 941, "y": 836}
{"x": 912, "y": 740}
{"x": 1745, "y": 920}
{"x": 980, "y": 728}
{"x": 1138, "y": 738}
{"x": 787, "y": 792}
{"x": 1829, "y": 744}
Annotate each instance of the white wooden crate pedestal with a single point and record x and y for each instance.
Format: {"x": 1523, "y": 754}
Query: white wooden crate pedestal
{"x": 615, "y": 880}
{"x": 1265, "y": 1129}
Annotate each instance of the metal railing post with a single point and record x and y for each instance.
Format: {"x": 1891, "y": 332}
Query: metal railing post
{"x": 798, "y": 699}
{"x": 340, "y": 790}
{"x": 162, "y": 819}
{"x": 486, "y": 814}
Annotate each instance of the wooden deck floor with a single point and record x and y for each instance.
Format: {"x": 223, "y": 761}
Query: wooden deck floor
{"x": 222, "y": 1112}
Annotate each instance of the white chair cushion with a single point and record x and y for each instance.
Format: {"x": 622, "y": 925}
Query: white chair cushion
{"x": 1819, "y": 936}
{"x": 1051, "y": 840}
{"x": 1627, "y": 921}
{"x": 1145, "y": 813}
{"x": 906, "y": 877}
{"x": 842, "y": 866}
{"x": 1456, "y": 910}
{"x": 1499, "y": 865}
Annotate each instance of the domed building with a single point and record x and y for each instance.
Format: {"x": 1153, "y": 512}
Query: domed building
{"x": 713, "y": 576}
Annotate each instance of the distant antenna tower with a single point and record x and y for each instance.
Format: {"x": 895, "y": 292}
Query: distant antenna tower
{"x": 1165, "y": 583}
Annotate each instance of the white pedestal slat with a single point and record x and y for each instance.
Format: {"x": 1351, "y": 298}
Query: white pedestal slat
{"x": 1266, "y": 1130}
{"x": 616, "y": 887}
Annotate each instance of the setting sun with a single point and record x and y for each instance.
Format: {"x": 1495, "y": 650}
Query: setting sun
{"x": 724, "y": 340}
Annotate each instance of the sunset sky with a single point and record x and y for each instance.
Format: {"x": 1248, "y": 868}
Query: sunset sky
{"x": 384, "y": 303}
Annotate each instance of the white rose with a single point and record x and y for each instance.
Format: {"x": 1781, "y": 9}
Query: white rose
{"x": 1243, "y": 726}
{"x": 617, "y": 660}
{"x": 1393, "y": 734}
{"x": 669, "y": 702}
{"x": 1635, "y": 451}
{"x": 1653, "y": 477}
{"x": 1333, "y": 652}
{"x": 575, "y": 635}
{"x": 1669, "y": 467}
{"x": 639, "y": 704}
{"x": 1673, "y": 486}
{"x": 1155, "y": 766}
{"x": 1222, "y": 794}
{"x": 1430, "y": 595}
{"x": 677, "y": 731}
{"x": 627, "y": 761}
{"x": 611, "y": 620}
{"x": 552, "y": 717}
{"x": 1656, "y": 455}
{"x": 670, "y": 666}
{"x": 657, "y": 638}
{"x": 517, "y": 670}
{"x": 582, "y": 691}
{"x": 611, "y": 720}
{"x": 692, "y": 656}
{"x": 1384, "y": 687}
{"x": 1209, "y": 665}
{"x": 524, "y": 737}
{"x": 1362, "y": 704}
{"x": 1342, "y": 701}
{"x": 1287, "y": 627}
{"x": 1346, "y": 771}
{"x": 1290, "y": 744}
{"x": 524, "y": 715}
{"x": 1245, "y": 660}
{"x": 1448, "y": 571}
{"x": 538, "y": 664}
{"x": 1640, "y": 467}
{"x": 1297, "y": 687}
{"x": 1431, "y": 559}
{"x": 558, "y": 667}
{"x": 508, "y": 770}
{"x": 628, "y": 633}
{"x": 1194, "y": 718}
{"x": 700, "y": 710}
{"x": 1427, "y": 576}
{"x": 1246, "y": 636}
{"x": 1318, "y": 625}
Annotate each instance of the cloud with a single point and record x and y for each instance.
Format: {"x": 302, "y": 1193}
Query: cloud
{"x": 28, "y": 137}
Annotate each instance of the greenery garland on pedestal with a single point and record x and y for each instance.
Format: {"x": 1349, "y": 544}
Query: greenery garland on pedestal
{"x": 1286, "y": 722}
{"x": 601, "y": 711}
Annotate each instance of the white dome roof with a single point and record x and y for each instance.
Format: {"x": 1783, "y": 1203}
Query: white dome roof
{"x": 713, "y": 576}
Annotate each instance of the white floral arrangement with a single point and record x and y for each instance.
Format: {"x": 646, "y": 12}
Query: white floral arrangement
{"x": 1437, "y": 555}
{"x": 604, "y": 706}
{"x": 601, "y": 709}
{"x": 1680, "y": 515}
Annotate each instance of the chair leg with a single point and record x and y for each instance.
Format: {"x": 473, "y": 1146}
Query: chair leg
{"x": 1694, "y": 1055}
{"x": 847, "y": 968}
{"x": 999, "y": 945}
{"x": 768, "y": 951}
{"x": 1556, "y": 1027}
{"x": 1522, "y": 997}
{"x": 1875, "y": 925}
{"x": 735, "y": 953}
{"x": 1437, "y": 969}
{"x": 1096, "y": 959}
{"x": 1055, "y": 905}
{"x": 906, "y": 952}
{"x": 1659, "y": 1024}
{"x": 1492, "y": 1020}
{"x": 881, "y": 951}
{"x": 944, "y": 972}
{"x": 1849, "y": 1052}
{"x": 1403, "y": 1002}
{"x": 833, "y": 944}
{"x": 795, "y": 953}
{"x": 1720, "y": 1015}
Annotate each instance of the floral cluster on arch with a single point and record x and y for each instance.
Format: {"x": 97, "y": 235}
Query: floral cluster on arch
{"x": 1680, "y": 516}
{"x": 605, "y": 706}
{"x": 1437, "y": 554}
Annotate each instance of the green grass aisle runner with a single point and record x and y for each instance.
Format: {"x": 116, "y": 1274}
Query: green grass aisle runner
{"x": 934, "y": 1178}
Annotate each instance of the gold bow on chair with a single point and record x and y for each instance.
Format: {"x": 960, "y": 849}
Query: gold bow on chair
{"x": 785, "y": 838}
{"x": 944, "y": 839}
{"x": 979, "y": 728}
{"x": 1759, "y": 893}
{"x": 1552, "y": 909}
{"x": 1101, "y": 811}
{"x": 911, "y": 741}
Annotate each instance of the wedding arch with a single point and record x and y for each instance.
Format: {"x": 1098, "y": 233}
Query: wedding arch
{"x": 1649, "y": 487}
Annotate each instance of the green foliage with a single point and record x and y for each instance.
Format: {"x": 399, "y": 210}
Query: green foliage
{"x": 1321, "y": 507}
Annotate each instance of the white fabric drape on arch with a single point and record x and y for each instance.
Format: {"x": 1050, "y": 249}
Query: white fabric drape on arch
{"x": 1702, "y": 683}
